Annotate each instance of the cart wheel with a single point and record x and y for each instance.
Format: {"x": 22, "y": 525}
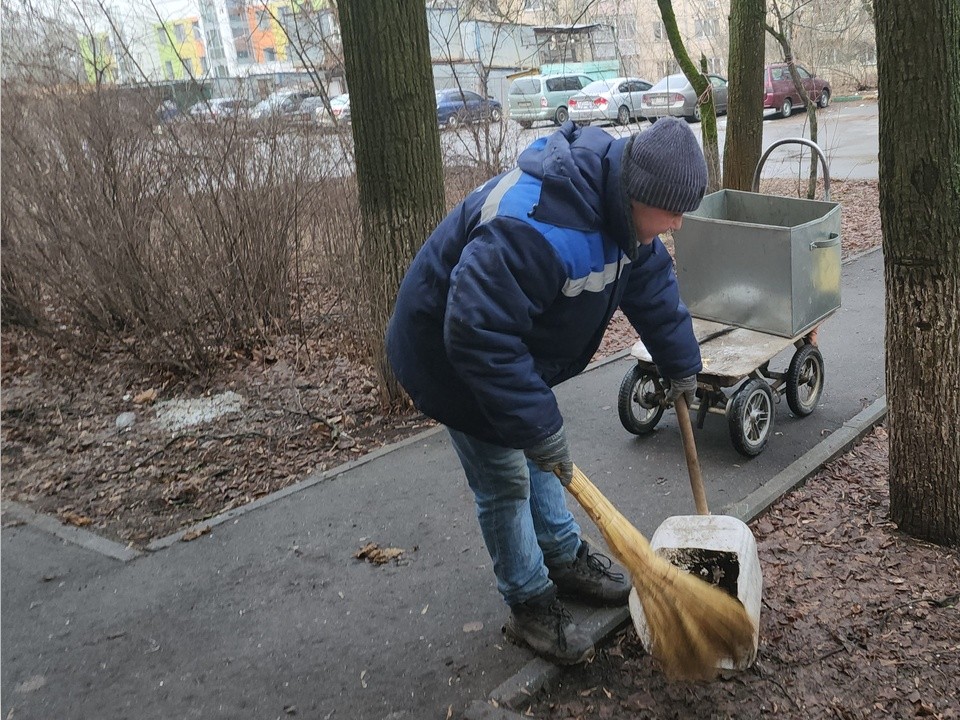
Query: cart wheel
{"x": 639, "y": 411}
{"x": 805, "y": 380}
{"x": 750, "y": 417}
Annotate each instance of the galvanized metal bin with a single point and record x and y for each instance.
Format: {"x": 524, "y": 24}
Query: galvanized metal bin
{"x": 761, "y": 262}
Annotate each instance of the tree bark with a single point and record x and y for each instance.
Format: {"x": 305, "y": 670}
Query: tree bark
{"x": 708, "y": 111}
{"x": 918, "y": 67}
{"x": 397, "y": 144}
{"x": 743, "y": 147}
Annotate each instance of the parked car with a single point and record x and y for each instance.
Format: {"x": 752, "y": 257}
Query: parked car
{"x": 616, "y": 100}
{"x": 674, "y": 95}
{"x": 780, "y": 93}
{"x": 339, "y": 111}
{"x": 167, "y": 112}
{"x": 309, "y": 111}
{"x": 221, "y": 108}
{"x": 543, "y": 97}
{"x": 459, "y": 106}
{"x": 283, "y": 103}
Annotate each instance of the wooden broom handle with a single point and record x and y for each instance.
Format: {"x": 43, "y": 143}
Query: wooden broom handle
{"x": 690, "y": 450}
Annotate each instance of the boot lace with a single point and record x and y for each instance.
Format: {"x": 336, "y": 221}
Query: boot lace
{"x": 600, "y": 564}
{"x": 558, "y": 617}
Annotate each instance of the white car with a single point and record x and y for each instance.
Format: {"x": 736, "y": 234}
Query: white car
{"x": 613, "y": 100}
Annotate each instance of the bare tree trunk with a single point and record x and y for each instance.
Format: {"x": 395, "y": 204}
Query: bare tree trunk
{"x": 743, "y": 147}
{"x": 708, "y": 111}
{"x": 399, "y": 168}
{"x": 920, "y": 214}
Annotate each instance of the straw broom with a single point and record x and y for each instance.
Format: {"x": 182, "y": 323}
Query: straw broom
{"x": 692, "y": 624}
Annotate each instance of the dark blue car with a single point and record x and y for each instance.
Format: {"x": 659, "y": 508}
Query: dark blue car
{"x": 455, "y": 107}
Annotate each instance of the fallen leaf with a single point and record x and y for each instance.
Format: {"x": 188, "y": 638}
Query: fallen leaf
{"x": 72, "y": 518}
{"x": 146, "y": 397}
{"x": 195, "y": 533}
{"x": 373, "y": 553}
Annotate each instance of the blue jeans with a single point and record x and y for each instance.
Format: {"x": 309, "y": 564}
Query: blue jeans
{"x": 523, "y": 516}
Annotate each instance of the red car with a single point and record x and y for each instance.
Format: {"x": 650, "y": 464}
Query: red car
{"x": 779, "y": 92}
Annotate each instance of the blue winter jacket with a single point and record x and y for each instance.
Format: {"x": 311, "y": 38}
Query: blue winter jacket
{"x": 512, "y": 292}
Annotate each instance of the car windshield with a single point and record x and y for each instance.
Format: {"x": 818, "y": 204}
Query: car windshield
{"x": 340, "y": 101}
{"x": 525, "y": 86}
{"x": 671, "y": 82}
{"x": 597, "y": 87}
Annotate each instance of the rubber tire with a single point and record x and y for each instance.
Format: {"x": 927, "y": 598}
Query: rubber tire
{"x": 748, "y": 437}
{"x": 495, "y": 115}
{"x": 697, "y": 115}
{"x": 635, "y": 379}
{"x": 623, "y": 115}
{"x": 452, "y": 122}
{"x": 562, "y": 115}
{"x": 525, "y": 124}
{"x": 824, "y": 99}
{"x": 805, "y": 366}
{"x": 786, "y": 110}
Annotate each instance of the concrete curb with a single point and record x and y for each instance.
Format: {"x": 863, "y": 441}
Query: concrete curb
{"x": 68, "y": 533}
{"x": 538, "y": 674}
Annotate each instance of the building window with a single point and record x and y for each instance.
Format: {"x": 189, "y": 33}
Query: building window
{"x": 263, "y": 20}
{"x": 626, "y": 27}
{"x": 269, "y": 55}
{"x": 659, "y": 31}
{"x": 667, "y": 67}
{"x": 197, "y": 35}
{"x": 179, "y": 33}
{"x": 168, "y": 70}
{"x": 706, "y": 28}
{"x": 203, "y": 65}
{"x": 162, "y": 35}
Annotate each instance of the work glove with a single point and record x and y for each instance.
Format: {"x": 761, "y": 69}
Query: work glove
{"x": 553, "y": 455}
{"x": 681, "y": 386}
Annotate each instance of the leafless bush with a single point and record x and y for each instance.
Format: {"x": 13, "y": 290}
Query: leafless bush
{"x": 180, "y": 242}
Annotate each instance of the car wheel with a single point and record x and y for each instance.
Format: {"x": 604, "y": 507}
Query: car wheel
{"x": 824, "y": 98}
{"x": 452, "y": 121}
{"x": 697, "y": 115}
{"x": 495, "y": 115}
{"x": 787, "y": 108}
{"x": 562, "y": 115}
{"x": 525, "y": 124}
{"x": 623, "y": 115}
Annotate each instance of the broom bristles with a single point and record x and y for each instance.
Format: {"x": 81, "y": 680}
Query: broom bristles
{"x": 693, "y": 625}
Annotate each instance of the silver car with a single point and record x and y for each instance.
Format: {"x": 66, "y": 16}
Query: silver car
{"x": 613, "y": 100}
{"x": 674, "y": 95}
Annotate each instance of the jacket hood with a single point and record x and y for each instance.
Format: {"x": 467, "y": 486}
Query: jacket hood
{"x": 582, "y": 184}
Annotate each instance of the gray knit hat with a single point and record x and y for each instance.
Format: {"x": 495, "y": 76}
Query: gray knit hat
{"x": 664, "y": 167}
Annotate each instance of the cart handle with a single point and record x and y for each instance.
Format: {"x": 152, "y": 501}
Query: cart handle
{"x": 796, "y": 141}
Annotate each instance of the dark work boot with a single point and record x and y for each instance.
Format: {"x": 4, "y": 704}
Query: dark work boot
{"x": 590, "y": 579}
{"x": 545, "y": 626}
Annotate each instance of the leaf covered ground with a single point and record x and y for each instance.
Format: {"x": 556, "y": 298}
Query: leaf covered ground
{"x": 858, "y": 621}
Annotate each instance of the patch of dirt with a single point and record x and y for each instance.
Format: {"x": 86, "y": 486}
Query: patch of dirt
{"x": 69, "y": 450}
{"x": 858, "y": 620}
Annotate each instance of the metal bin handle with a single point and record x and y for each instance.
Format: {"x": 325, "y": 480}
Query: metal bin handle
{"x": 833, "y": 239}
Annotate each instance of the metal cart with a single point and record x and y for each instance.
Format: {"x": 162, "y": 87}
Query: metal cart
{"x": 759, "y": 273}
